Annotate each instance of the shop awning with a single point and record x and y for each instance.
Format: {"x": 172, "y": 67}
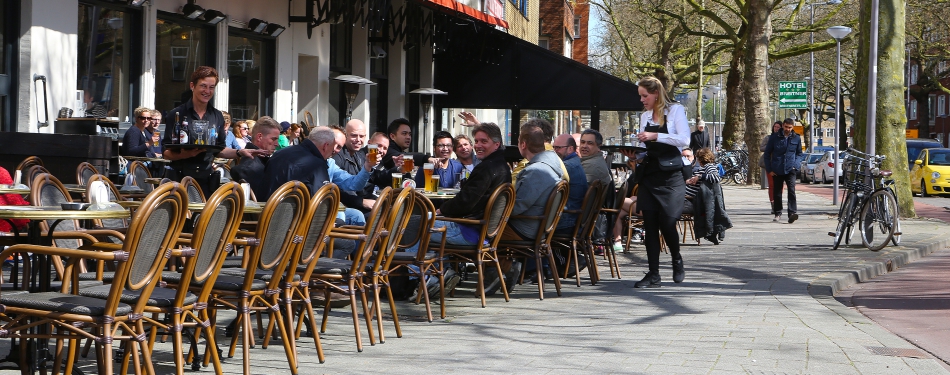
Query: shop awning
{"x": 508, "y": 72}
{"x": 460, "y": 8}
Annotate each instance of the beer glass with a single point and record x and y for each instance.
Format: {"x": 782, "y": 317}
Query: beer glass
{"x": 397, "y": 180}
{"x": 427, "y": 168}
{"x": 372, "y": 152}
{"x": 407, "y": 164}
{"x": 435, "y": 184}
{"x": 201, "y": 127}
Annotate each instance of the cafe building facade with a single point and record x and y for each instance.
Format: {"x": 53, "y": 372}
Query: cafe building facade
{"x": 281, "y": 58}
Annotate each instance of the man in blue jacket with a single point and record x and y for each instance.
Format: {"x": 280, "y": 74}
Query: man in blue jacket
{"x": 783, "y": 155}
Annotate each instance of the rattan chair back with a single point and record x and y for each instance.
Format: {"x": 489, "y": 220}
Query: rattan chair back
{"x": 195, "y": 195}
{"x": 321, "y": 215}
{"x": 85, "y": 171}
{"x": 140, "y": 172}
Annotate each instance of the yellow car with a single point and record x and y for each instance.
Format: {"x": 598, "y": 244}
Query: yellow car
{"x": 931, "y": 172}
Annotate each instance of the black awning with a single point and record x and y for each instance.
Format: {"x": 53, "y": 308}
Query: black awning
{"x": 487, "y": 68}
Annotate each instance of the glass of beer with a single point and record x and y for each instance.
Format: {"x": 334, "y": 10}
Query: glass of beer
{"x": 397, "y": 180}
{"x": 407, "y": 164}
{"x": 427, "y": 168}
{"x": 372, "y": 152}
{"x": 435, "y": 183}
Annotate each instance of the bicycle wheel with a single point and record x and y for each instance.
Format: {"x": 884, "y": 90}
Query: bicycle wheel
{"x": 877, "y": 220}
{"x": 896, "y": 238}
{"x": 844, "y": 219}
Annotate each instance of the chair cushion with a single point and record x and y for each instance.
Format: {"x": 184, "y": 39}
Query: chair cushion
{"x": 224, "y": 282}
{"x": 161, "y": 297}
{"x": 106, "y": 276}
{"x": 515, "y": 243}
{"x": 263, "y": 275}
{"x": 333, "y": 266}
{"x": 53, "y": 285}
{"x": 59, "y": 302}
{"x": 233, "y": 262}
{"x": 408, "y": 257}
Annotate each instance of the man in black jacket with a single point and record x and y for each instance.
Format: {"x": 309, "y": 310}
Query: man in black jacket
{"x": 351, "y": 160}
{"x": 309, "y": 163}
{"x": 251, "y": 169}
{"x": 698, "y": 139}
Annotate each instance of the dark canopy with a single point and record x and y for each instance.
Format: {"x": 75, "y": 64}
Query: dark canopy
{"x": 487, "y": 68}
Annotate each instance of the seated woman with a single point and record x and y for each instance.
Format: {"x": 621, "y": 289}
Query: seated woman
{"x": 707, "y": 171}
{"x": 629, "y": 206}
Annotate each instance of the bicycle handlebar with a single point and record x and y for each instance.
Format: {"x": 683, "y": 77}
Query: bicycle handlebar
{"x": 866, "y": 155}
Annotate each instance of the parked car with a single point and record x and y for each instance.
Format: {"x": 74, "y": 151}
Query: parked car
{"x": 931, "y": 172}
{"x": 914, "y": 145}
{"x": 807, "y": 170}
{"x": 828, "y": 167}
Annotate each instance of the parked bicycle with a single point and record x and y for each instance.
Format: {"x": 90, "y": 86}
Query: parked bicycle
{"x": 735, "y": 163}
{"x": 869, "y": 201}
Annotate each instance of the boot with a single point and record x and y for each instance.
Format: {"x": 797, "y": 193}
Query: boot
{"x": 678, "y": 273}
{"x": 651, "y": 280}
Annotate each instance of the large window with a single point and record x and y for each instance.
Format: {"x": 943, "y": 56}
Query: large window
{"x": 108, "y": 58}
{"x": 341, "y": 62}
{"x": 913, "y": 109}
{"x": 251, "y": 75}
{"x": 8, "y": 52}
{"x": 942, "y": 105}
{"x": 181, "y": 47}
{"x": 378, "y": 93}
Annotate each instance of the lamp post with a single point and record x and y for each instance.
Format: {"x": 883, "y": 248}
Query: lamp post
{"x": 351, "y": 87}
{"x": 839, "y": 33}
{"x": 425, "y": 98}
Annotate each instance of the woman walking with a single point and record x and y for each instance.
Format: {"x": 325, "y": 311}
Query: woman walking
{"x": 662, "y": 190}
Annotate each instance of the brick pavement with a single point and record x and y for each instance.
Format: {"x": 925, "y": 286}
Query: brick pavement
{"x": 761, "y": 302}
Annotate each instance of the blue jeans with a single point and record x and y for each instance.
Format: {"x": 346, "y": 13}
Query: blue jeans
{"x": 453, "y": 235}
{"x": 351, "y": 216}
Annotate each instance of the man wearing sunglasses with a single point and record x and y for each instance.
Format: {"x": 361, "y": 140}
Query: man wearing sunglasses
{"x": 137, "y": 141}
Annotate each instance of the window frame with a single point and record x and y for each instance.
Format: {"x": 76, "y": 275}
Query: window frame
{"x": 210, "y": 49}
{"x": 268, "y": 87}
{"x": 135, "y": 53}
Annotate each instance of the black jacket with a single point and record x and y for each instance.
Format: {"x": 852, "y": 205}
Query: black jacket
{"x": 709, "y": 211}
{"x": 134, "y": 143}
{"x": 199, "y": 167}
{"x": 353, "y": 164}
{"x": 251, "y": 170}
{"x": 472, "y": 199}
{"x": 301, "y": 162}
{"x": 698, "y": 139}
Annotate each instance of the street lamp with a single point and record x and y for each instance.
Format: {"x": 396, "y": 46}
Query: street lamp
{"x": 811, "y": 85}
{"x": 425, "y": 98}
{"x": 839, "y": 33}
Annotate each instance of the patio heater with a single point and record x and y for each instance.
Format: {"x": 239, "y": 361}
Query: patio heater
{"x": 426, "y": 95}
{"x": 351, "y": 87}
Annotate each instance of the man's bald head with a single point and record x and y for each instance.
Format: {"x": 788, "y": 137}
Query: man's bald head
{"x": 355, "y": 133}
{"x": 564, "y": 145}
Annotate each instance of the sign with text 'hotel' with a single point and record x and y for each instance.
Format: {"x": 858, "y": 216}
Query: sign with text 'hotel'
{"x": 793, "y": 95}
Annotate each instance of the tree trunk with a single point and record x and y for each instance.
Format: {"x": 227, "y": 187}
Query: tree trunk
{"x": 734, "y": 128}
{"x": 890, "y": 110}
{"x": 755, "y": 85}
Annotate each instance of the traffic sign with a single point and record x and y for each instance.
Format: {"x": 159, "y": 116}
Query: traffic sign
{"x": 793, "y": 95}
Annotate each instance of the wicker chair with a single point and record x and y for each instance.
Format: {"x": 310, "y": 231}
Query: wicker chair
{"x": 269, "y": 253}
{"x": 195, "y": 195}
{"x": 490, "y": 227}
{"x": 377, "y": 274}
{"x": 84, "y": 172}
{"x": 140, "y": 172}
{"x": 346, "y": 276}
{"x": 540, "y": 246}
{"x": 430, "y": 263}
{"x": 579, "y": 238}
{"x": 612, "y": 204}
{"x": 153, "y": 232}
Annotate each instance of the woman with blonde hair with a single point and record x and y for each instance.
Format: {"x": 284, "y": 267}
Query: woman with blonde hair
{"x": 241, "y": 133}
{"x": 662, "y": 187}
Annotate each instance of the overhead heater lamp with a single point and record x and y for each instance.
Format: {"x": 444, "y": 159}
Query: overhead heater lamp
{"x": 136, "y": 3}
{"x": 273, "y": 30}
{"x": 192, "y": 10}
{"x": 351, "y": 87}
{"x": 212, "y": 17}
{"x": 256, "y": 25}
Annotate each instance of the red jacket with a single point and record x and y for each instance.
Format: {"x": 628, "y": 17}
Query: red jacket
{"x": 10, "y": 200}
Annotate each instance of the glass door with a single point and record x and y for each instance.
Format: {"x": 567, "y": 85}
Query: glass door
{"x": 9, "y": 13}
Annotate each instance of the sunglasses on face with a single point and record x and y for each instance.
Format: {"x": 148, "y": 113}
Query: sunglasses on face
{"x": 145, "y": 118}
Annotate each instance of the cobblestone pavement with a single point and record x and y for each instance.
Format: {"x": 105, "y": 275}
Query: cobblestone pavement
{"x": 761, "y": 302}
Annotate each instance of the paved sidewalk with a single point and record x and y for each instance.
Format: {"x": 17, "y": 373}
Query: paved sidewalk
{"x": 761, "y": 302}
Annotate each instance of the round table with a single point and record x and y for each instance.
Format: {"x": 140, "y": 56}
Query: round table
{"x": 14, "y": 189}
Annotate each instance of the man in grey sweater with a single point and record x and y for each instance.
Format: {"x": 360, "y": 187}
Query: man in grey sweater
{"x": 534, "y": 183}
{"x": 595, "y": 166}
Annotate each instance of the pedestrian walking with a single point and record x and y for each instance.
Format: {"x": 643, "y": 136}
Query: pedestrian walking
{"x": 783, "y": 157}
{"x": 662, "y": 186}
{"x": 777, "y": 126}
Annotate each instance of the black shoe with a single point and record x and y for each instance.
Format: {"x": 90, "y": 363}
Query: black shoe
{"x": 492, "y": 281}
{"x": 511, "y": 277}
{"x": 792, "y": 218}
{"x": 452, "y": 279}
{"x": 712, "y": 239}
{"x": 651, "y": 280}
{"x": 678, "y": 273}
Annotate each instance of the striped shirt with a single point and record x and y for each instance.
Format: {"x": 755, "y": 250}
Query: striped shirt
{"x": 708, "y": 172}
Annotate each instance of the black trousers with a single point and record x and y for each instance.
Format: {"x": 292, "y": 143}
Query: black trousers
{"x": 778, "y": 180}
{"x": 654, "y": 223}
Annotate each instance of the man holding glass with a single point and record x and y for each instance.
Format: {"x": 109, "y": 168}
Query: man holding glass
{"x": 197, "y": 162}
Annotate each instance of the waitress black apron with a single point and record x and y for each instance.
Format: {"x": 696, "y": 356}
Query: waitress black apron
{"x": 660, "y": 190}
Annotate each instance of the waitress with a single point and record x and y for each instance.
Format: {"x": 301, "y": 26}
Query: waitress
{"x": 662, "y": 185}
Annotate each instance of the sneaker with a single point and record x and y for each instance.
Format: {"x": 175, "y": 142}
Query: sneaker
{"x": 792, "y": 218}
{"x": 492, "y": 281}
{"x": 775, "y": 220}
{"x": 511, "y": 277}
{"x": 452, "y": 279}
{"x": 678, "y": 272}
{"x": 618, "y": 246}
{"x": 651, "y": 280}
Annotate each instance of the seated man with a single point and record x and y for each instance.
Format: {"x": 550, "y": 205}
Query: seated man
{"x": 595, "y": 166}
{"x": 351, "y": 160}
{"x": 264, "y": 136}
{"x": 565, "y": 148}
{"x": 446, "y": 168}
{"x": 472, "y": 198}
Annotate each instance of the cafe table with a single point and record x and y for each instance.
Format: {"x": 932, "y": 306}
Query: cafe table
{"x": 14, "y": 189}
{"x": 143, "y": 159}
{"x": 35, "y": 215}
